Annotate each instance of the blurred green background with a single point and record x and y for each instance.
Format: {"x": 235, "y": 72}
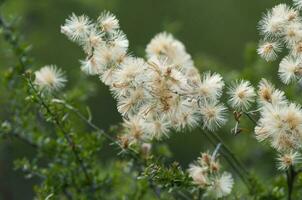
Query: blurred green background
{"x": 221, "y": 35}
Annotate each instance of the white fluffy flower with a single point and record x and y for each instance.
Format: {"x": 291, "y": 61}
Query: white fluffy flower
{"x": 135, "y": 128}
{"x": 292, "y": 32}
{"x": 206, "y": 174}
{"x": 76, "y": 28}
{"x": 284, "y": 126}
{"x": 262, "y": 133}
{"x": 288, "y": 159}
{"x": 92, "y": 41}
{"x": 198, "y": 174}
{"x": 164, "y": 44}
{"x": 269, "y": 95}
{"x": 108, "y": 22}
{"x": 271, "y": 25}
{"x": 131, "y": 100}
{"x": 210, "y": 88}
{"x": 90, "y": 66}
{"x": 268, "y": 50}
{"x": 50, "y": 78}
{"x": 118, "y": 39}
{"x": 107, "y": 57}
{"x": 241, "y": 95}
{"x": 275, "y": 20}
{"x": 157, "y": 128}
{"x": 130, "y": 72}
{"x": 185, "y": 116}
{"x": 213, "y": 115}
{"x": 290, "y": 69}
{"x": 221, "y": 186}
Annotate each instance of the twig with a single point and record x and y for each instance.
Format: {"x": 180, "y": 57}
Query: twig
{"x": 230, "y": 158}
{"x": 290, "y": 176}
{"x": 251, "y": 118}
{"x": 24, "y": 140}
{"x": 60, "y": 126}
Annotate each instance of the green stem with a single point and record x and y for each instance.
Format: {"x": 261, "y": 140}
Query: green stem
{"x": 68, "y": 138}
{"x": 250, "y": 118}
{"x": 290, "y": 176}
{"x": 229, "y": 156}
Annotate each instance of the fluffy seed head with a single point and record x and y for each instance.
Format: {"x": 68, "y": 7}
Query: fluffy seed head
{"x": 108, "y": 22}
{"x": 213, "y": 115}
{"x": 290, "y": 69}
{"x": 76, "y": 28}
{"x": 241, "y": 95}
{"x": 288, "y": 159}
{"x": 221, "y": 186}
{"x": 50, "y": 78}
{"x": 268, "y": 50}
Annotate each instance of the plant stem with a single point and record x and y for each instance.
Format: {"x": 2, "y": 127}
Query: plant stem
{"x": 68, "y": 138}
{"x": 24, "y": 140}
{"x": 290, "y": 175}
{"x": 251, "y": 118}
{"x": 229, "y": 156}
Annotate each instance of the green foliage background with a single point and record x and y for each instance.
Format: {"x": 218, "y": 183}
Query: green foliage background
{"x": 221, "y": 35}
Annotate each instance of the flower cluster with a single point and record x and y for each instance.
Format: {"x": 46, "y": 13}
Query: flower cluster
{"x": 154, "y": 95}
{"x": 206, "y": 173}
{"x": 282, "y": 26}
{"x": 280, "y": 122}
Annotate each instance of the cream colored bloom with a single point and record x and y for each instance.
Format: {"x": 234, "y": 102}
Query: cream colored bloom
{"x": 268, "y": 50}
{"x": 50, "y": 78}
{"x": 241, "y": 95}
{"x": 288, "y": 159}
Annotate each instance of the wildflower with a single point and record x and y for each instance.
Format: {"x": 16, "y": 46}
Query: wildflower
{"x": 221, "y": 186}
{"x": 262, "y": 133}
{"x": 288, "y": 159}
{"x": 118, "y": 39}
{"x": 156, "y": 128}
{"x": 90, "y": 66}
{"x": 135, "y": 129}
{"x": 283, "y": 122}
{"x": 211, "y": 86}
{"x": 213, "y": 115}
{"x": 164, "y": 44}
{"x": 292, "y": 33}
{"x": 290, "y": 69}
{"x": 198, "y": 174}
{"x": 92, "y": 41}
{"x": 154, "y": 95}
{"x": 206, "y": 174}
{"x": 50, "y": 78}
{"x": 271, "y": 24}
{"x": 130, "y": 72}
{"x": 269, "y": 95}
{"x": 108, "y": 57}
{"x": 108, "y": 22}
{"x": 76, "y": 28}
{"x": 241, "y": 95}
{"x": 269, "y": 50}
{"x": 185, "y": 115}
{"x": 128, "y": 103}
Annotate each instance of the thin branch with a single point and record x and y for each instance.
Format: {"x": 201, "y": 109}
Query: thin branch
{"x": 65, "y": 133}
{"x": 23, "y": 139}
{"x": 250, "y": 118}
{"x": 229, "y": 156}
{"x": 290, "y": 177}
